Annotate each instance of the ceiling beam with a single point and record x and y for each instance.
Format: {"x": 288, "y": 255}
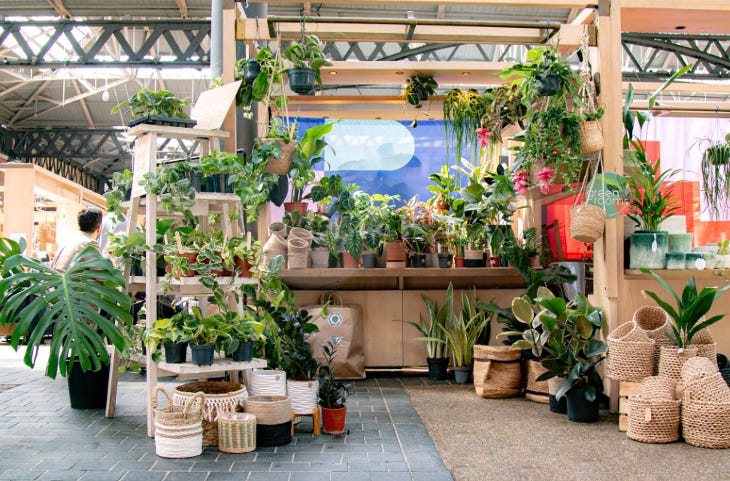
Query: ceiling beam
{"x": 84, "y": 107}
{"x": 182, "y": 5}
{"x": 473, "y": 3}
{"x": 424, "y": 31}
{"x": 59, "y": 8}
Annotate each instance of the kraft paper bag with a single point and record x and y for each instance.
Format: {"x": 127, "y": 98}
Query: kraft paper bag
{"x": 341, "y": 323}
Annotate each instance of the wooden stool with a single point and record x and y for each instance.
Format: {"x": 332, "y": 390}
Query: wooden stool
{"x": 315, "y": 421}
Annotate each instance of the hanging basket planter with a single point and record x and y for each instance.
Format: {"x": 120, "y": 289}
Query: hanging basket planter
{"x": 549, "y": 84}
{"x": 251, "y": 70}
{"x": 301, "y": 80}
{"x": 591, "y": 137}
{"x": 284, "y": 162}
{"x": 587, "y": 223}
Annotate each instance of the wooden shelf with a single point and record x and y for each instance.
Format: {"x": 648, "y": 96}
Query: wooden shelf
{"x": 680, "y": 274}
{"x": 191, "y": 286}
{"x": 401, "y": 279}
{"x": 220, "y": 366}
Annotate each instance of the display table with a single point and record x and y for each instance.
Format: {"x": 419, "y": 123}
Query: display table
{"x": 220, "y": 367}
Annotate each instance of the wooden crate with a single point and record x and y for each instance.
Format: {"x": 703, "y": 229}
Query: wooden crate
{"x": 625, "y": 390}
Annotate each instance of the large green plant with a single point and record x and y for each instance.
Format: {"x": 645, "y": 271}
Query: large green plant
{"x": 83, "y": 307}
{"x": 332, "y": 393}
{"x": 435, "y": 324}
{"x": 267, "y": 84}
{"x": 468, "y": 327}
{"x": 463, "y": 112}
{"x": 150, "y": 102}
{"x": 308, "y": 153}
{"x": 690, "y": 310}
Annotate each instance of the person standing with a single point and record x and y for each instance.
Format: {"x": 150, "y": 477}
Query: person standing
{"x": 89, "y": 221}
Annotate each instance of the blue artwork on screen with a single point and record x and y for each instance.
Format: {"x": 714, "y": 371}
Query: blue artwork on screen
{"x": 384, "y": 156}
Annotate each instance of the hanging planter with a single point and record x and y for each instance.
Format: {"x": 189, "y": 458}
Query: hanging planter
{"x": 548, "y": 84}
{"x": 716, "y": 177}
{"x": 301, "y": 80}
{"x": 251, "y": 70}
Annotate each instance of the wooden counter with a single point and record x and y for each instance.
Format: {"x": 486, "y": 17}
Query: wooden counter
{"x": 389, "y": 297}
{"x": 402, "y": 279}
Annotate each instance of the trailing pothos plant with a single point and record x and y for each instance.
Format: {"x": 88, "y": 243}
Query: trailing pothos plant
{"x": 418, "y": 89}
{"x": 149, "y": 102}
{"x": 463, "y": 113}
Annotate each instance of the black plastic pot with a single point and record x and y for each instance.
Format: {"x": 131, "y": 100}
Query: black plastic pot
{"x": 301, "y": 80}
{"x": 446, "y": 260}
{"x": 159, "y": 120}
{"x": 462, "y": 374}
{"x": 418, "y": 260}
{"x": 549, "y": 84}
{"x": 251, "y": 70}
{"x": 202, "y": 354}
{"x": 176, "y": 353}
{"x": 557, "y": 406}
{"x": 474, "y": 263}
{"x": 580, "y": 409}
{"x": 437, "y": 368}
{"x": 244, "y": 352}
{"x": 369, "y": 261}
{"x": 87, "y": 390}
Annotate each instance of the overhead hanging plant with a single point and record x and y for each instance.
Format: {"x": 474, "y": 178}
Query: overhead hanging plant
{"x": 419, "y": 88}
{"x": 463, "y": 113}
{"x": 716, "y": 176}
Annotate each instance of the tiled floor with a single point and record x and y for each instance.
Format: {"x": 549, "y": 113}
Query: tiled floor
{"x": 44, "y": 439}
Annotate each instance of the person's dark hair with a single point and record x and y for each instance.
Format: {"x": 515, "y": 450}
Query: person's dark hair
{"x": 89, "y": 219}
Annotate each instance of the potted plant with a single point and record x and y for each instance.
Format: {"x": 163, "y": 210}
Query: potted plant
{"x": 170, "y": 332}
{"x": 159, "y": 107}
{"x": 244, "y": 330}
{"x": 204, "y": 333}
{"x": 688, "y": 315}
{"x": 463, "y": 113}
{"x": 470, "y": 326}
{"x": 306, "y": 59}
{"x": 297, "y": 360}
{"x": 444, "y": 189}
{"x": 419, "y": 88}
{"x": 332, "y": 392}
{"x": 37, "y": 298}
{"x": 433, "y": 328}
{"x": 716, "y": 175}
{"x": 309, "y": 152}
{"x": 261, "y": 79}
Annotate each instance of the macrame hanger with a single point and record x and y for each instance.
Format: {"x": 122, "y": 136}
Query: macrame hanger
{"x": 302, "y": 26}
{"x": 596, "y": 165}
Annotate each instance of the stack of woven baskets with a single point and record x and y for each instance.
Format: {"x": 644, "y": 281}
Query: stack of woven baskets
{"x": 295, "y": 245}
{"x": 688, "y": 390}
{"x": 276, "y": 244}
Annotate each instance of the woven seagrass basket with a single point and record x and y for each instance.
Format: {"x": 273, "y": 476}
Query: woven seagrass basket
{"x": 630, "y": 354}
{"x": 591, "y": 137}
{"x": 587, "y": 222}
{"x": 220, "y": 397}
{"x": 706, "y": 424}
{"x": 497, "y": 371}
{"x": 178, "y": 428}
{"x": 236, "y": 432}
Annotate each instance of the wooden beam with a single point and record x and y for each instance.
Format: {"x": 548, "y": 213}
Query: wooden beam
{"x": 182, "y": 5}
{"x": 424, "y": 31}
{"x": 84, "y": 107}
{"x": 696, "y": 17}
{"x": 473, "y": 3}
{"x": 59, "y": 8}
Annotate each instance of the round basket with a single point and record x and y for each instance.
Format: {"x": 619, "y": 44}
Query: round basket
{"x": 630, "y": 354}
{"x": 708, "y": 389}
{"x": 654, "y": 322}
{"x": 275, "y": 243}
{"x": 587, "y": 222}
{"x": 705, "y": 344}
{"x": 653, "y": 421}
{"x": 696, "y": 369}
{"x": 706, "y": 425}
{"x": 236, "y": 432}
{"x": 657, "y": 388}
{"x": 536, "y": 391}
{"x": 283, "y": 163}
{"x": 296, "y": 244}
{"x": 273, "y": 419}
{"x": 178, "y": 429}
{"x": 220, "y": 398}
{"x": 303, "y": 395}
{"x": 497, "y": 371}
{"x": 671, "y": 360}
{"x": 300, "y": 233}
{"x": 591, "y": 137}
{"x": 267, "y": 382}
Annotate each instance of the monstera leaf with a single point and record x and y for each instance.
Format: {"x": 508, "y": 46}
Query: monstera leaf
{"x": 84, "y": 307}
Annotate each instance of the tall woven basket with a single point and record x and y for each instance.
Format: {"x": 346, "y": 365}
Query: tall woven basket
{"x": 587, "y": 222}
{"x": 630, "y": 354}
{"x": 220, "y": 397}
{"x": 497, "y": 371}
{"x": 705, "y": 344}
{"x": 236, "y": 432}
{"x": 178, "y": 429}
{"x": 671, "y": 360}
{"x": 273, "y": 419}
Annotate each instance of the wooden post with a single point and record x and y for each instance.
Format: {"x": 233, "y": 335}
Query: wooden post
{"x": 608, "y": 252}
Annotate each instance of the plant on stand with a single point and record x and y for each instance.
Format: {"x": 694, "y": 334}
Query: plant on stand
{"x": 159, "y": 107}
{"x": 332, "y": 392}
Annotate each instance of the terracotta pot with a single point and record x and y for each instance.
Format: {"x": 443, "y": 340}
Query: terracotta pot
{"x": 295, "y": 206}
{"x": 458, "y": 262}
{"x": 395, "y": 254}
{"x": 348, "y": 262}
{"x": 244, "y": 265}
{"x": 333, "y": 420}
{"x": 191, "y": 257}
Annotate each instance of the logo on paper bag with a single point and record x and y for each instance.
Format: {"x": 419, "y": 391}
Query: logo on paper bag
{"x": 334, "y": 319}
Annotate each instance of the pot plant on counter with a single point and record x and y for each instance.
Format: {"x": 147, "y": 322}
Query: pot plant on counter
{"x": 37, "y": 298}
{"x": 332, "y": 392}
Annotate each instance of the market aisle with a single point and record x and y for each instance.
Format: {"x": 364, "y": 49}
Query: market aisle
{"x": 44, "y": 439}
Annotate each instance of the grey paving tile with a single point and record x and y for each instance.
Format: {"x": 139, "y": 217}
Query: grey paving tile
{"x": 59, "y": 476}
{"x": 350, "y": 476}
{"x": 270, "y": 477}
{"x": 144, "y": 476}
{"x": 311, "y": 476}
{"x": 184, "y": 476}
{"x": 224, "y": 477}
{"x": 102, "y": 475}
{"x": 20, "y": 474}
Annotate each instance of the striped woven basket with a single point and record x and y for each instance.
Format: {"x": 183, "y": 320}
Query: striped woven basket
{"x": 236, "y": 432}
{"x": 178, "y": 429}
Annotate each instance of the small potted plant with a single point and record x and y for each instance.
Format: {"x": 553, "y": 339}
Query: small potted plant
{"x": 170, "y": 332}
{"x": 332, "y": 392}
{"x": 309, "y": 152}
{"x": 419, "y": 88}
{"x": 544, "y": 73}
{"x": 159, "y": 107}
{"x": 244, "y": 330}
{"x": 433, "y": 328}
{"x": 716, "y": 175}
{"x": 306, "y": 59}
{"x": 204, "y": 333}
